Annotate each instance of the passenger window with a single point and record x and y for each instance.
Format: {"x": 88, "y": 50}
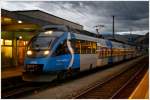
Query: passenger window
{"x": 93, "y": 47}
{"x": 76, "y": 46}
{"x": 61, "y": 49}
{"x": 83, "y": 47}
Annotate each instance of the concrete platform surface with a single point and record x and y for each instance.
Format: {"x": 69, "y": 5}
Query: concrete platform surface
{"x": 11, "y": 72}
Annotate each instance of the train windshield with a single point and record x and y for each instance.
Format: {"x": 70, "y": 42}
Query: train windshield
{"x": 44, "y": 40}
{"x": 41, "y": 43}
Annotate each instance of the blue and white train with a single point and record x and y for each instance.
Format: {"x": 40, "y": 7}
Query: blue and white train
{"x": 58, "y": 51}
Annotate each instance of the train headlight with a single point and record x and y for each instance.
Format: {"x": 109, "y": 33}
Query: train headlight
{"x": 46, "y": 52}
{"x": 29, "y": 52}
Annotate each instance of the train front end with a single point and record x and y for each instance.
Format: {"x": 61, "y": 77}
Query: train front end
{"x": 39, "y": 65}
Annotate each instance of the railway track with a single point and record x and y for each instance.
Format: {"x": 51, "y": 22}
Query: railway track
{"x": 28, "y": 88}
{"x": 115, "y": 86}
{"x": 126, "y": 90}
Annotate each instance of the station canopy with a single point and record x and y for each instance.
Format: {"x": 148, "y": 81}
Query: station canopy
{"x": 32, "y": 20}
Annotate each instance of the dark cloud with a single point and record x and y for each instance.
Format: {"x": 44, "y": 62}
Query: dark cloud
{"x": 128, "y": 14}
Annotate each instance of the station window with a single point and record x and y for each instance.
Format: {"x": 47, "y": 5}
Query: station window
{"x": 6, "y": 52}
{"x": 8, "y": 42}
{"x": 2, "y": 42}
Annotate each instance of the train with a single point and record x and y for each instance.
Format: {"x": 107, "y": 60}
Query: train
{"x": 59, "y": 51}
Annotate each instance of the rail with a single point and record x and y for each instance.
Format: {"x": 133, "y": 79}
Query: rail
{"x": 104, "y": 90}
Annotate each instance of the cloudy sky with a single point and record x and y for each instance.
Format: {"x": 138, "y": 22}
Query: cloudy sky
{"x": 129, "y": 15}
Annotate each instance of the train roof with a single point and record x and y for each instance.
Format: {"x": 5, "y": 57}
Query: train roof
{"x": 84, "y": 32}
{"x": 102, "y": 42}
{"x": 89, "y": 36}
{"x": 115, "y": 42}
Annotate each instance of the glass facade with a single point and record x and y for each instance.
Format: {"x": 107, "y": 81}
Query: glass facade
{"x": 13, "y": 49}
{"x": 6, "y": 52}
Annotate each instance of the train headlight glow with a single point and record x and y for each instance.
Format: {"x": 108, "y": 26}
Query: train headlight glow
{"x": 29, "y": 52}
{"x": 46, "y": 52}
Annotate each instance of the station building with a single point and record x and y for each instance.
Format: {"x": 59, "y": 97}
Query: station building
{"x": 18, "y": 27}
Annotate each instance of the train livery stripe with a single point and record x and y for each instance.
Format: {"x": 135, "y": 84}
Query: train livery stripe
{"x": 71, "y": 50}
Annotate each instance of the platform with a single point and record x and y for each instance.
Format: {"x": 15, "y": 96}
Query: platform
{"x": 11, "y": 72}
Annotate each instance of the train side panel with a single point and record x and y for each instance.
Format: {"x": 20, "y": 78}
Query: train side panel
{"x": 87, "y": 61}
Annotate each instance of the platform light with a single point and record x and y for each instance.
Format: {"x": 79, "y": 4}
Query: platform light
{"x": 29, "y": 52}
{"x": 20, "y": 37}
{"x": 19, "y": 21}
{"x": 48, "y": 32}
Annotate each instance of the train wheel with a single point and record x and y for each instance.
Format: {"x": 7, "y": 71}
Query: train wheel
{"x": 91, "y": 66}
{"x": 70, "y": 72}
{"x": 61, "y": 75}
{"x": 76, "y": 73}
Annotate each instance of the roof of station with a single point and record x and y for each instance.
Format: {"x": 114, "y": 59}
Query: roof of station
{"x": 39, "y": 18}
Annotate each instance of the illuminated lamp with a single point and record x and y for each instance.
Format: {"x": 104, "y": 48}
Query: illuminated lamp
{"x": 19, "y": 21}
{"x": 20, "y": 37}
